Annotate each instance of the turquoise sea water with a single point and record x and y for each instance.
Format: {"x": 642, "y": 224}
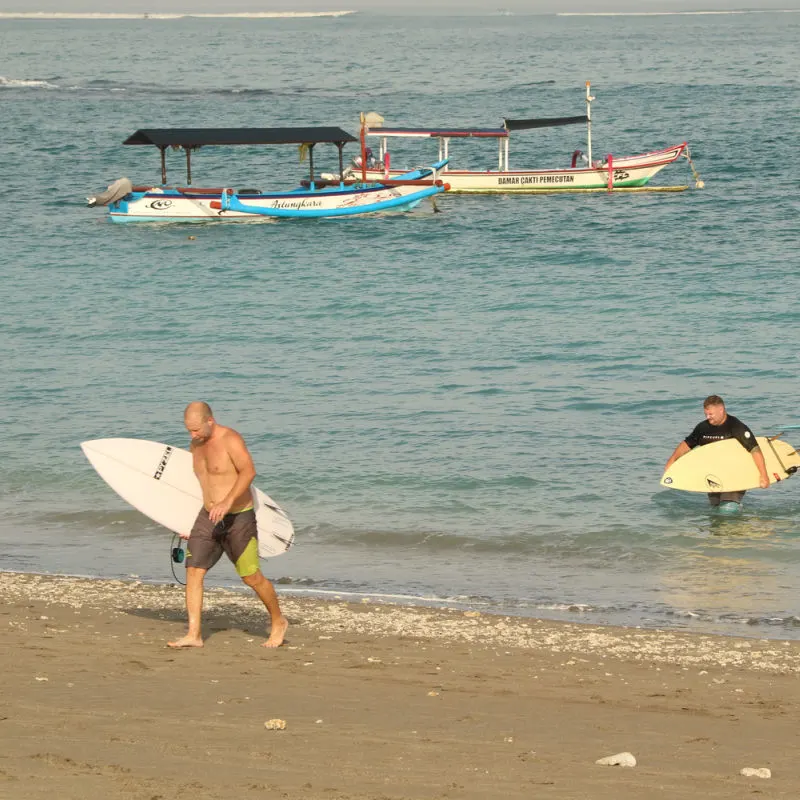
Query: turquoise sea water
{"x": 469, "y": 407}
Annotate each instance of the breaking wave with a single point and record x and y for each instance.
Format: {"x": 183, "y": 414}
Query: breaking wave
{"x": 25, "y": 83}
{"x": 672, "y": 13}
{"x": 103, "y": 85}
{"x": 49, "y": 15}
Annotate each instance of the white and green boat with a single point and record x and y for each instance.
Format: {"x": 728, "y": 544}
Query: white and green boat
{"x": 585, "y": 174}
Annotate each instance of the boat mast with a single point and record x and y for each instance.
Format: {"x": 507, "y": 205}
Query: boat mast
{"x": 363, "y": 148}
{"x": 589, "y": 99}
{"x": 339, "y": 147}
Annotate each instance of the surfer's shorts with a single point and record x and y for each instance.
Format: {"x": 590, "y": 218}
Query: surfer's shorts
{"x": 236, "y": 535}
{"x": 715, "y": 498}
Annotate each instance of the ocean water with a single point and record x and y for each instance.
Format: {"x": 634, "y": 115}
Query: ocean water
{"x": 470, "y": 407}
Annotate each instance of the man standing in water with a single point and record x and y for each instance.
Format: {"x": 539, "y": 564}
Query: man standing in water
{"x": 227, "y": 522}
{"x": 719, "y": 425}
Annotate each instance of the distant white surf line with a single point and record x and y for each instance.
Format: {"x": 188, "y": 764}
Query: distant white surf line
{"x": 19, "y": 83}
{"x": 102, "y": 15}
{"x": 672, "y": 13}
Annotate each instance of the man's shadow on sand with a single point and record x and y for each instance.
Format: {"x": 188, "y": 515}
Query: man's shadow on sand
{"x": 222, "y": 618}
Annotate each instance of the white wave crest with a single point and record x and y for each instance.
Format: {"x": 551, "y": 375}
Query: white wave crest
{"x": 22, "y": 83}
{"x": 673, "y": 13}
{"x": 103, "y": 15}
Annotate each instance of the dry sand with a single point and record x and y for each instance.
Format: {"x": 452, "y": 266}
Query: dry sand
{"x": 380, "y": 703}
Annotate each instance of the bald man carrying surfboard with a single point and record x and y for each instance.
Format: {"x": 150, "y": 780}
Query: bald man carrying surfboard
{"x": 225, "y": 524}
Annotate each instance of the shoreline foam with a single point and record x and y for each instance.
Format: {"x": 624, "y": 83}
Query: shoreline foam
{"x": 443, "y": 625}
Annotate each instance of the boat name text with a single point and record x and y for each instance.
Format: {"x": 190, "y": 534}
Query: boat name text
{"x": 524, "y": 180}
{"x": 297, "y": 204}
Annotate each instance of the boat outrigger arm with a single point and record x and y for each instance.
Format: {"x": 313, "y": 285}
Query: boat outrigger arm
{"x": 189, "y": 139}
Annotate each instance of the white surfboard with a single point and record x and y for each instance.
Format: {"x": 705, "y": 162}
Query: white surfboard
{"x": 158, "y": 480}
{"x": 727, "y": 467}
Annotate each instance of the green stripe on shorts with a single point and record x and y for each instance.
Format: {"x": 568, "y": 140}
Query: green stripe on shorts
{"x": 247, "y": 563}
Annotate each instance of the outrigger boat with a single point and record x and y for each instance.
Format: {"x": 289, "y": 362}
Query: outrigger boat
{"x": 612, "y": 173}
{"x": 128, "y": 203}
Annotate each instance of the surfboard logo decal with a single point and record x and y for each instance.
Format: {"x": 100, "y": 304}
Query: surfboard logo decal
{"x": 667, "y": 480}
{"x": 162, "y": 465}
{"x": 713, "y": 483}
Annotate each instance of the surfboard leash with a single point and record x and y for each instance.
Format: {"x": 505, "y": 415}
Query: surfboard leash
{"x": 789, "y": 471}
{"x": 177, "y": 555}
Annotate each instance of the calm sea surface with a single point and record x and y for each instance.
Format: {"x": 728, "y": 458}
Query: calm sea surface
{"x": 469, "y": 407}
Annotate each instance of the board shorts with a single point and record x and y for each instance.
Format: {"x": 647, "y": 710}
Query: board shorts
{"x": 715, "y": 498}
{"x": 236, "y": 535}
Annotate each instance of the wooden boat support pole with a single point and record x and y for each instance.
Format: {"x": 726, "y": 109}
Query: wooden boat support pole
{"x": 339, "y": 147}
{"x": 188, "y": 166}
{"x": 163, "y": 149}
{"x": 363, "y": 138}
{"x": 311, "y": 163}
{"x": 610, "y": 159}
{"x": 589, "y": 99}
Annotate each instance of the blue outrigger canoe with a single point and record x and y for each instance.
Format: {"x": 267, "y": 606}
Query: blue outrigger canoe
{"x": 316, "y": 199}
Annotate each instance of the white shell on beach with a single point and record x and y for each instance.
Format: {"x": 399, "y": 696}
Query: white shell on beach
{"x": 756, "y": 772}
{"x": 275, "y": 724}
{"x": 619, "y": 760}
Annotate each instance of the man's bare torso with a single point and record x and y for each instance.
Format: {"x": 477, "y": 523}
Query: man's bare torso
{"x": 216, "y": 471}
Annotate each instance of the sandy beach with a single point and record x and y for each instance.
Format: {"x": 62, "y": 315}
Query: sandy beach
{"x": 378, "y": 701}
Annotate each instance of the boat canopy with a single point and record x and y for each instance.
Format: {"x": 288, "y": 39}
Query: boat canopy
{"x": 198, "y": 137}
{"x": 442, "y": 133}
{"x": 502, "y": 134}
{"x": 192, "y": 138}
{"x": 543, "y": 122}
{"x": 478, "y": 133}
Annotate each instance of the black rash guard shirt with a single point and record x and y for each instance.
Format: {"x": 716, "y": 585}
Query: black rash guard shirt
{"x": 732, "y": 428}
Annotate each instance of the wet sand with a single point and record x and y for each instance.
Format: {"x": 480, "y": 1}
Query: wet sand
{"x": 380, "y": 703}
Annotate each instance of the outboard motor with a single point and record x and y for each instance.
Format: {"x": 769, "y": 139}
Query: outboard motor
{"x": 372, "y": 162}
{"x": 116, "y": 191}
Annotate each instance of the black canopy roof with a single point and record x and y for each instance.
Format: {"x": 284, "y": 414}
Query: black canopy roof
{"x": 543, "y": 122}
{"x": 197, "y": 137}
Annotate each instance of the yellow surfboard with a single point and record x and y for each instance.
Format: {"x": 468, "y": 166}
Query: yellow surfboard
{"x": 727, "y": 467}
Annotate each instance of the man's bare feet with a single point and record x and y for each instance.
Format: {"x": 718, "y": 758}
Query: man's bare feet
{"x": 186, "y": 641}
{"x": 277, "y": 632}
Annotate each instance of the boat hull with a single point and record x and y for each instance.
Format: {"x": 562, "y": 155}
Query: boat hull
{"x": 628, "y": 172}
{"x": 165, "y": 204}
